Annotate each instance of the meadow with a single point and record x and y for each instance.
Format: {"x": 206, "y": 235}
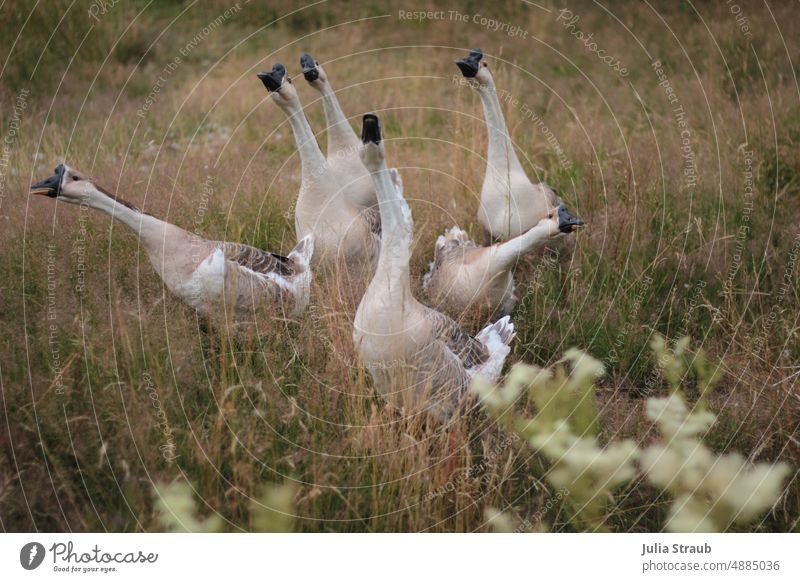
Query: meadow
{"x": 671, "y": 128}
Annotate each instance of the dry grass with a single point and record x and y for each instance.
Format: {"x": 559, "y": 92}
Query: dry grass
{"x": 214, "y": 155}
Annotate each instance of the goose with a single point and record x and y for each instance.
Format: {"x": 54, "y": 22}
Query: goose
{"x": 510, "y": 203}
{"x": 202, "y": 273}
{"x": 343, "y": 232}
{"x": 343, "y": 143}
{"x": 420, "y": 359}
{"x": 465, "y": 279}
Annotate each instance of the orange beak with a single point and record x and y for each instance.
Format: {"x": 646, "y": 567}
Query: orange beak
{"x": 50, "y": 186}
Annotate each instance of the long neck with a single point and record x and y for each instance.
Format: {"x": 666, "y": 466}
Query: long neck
{"x": 503, "y": 256}
{"x": 151, "y": 231}
{"x": 340, "y": 134}
{"x": 397, "y": 230}
{"x": 311, "y": 158}
{"x": 501, "y": 157}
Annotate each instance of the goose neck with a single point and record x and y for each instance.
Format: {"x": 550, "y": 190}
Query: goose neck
{"x": 501, "y": 154}
{"x": 396, "y": 230}
{"x": 311, "y": 158}
{"x": 508, "y": 253}
{"x": 340, "y": 134}
{"x": 150, "y": 230}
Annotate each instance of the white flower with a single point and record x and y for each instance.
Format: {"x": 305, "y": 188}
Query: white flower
{"x": 710, "y": 492}
{"x": 499, "y": 521}
{"x": 674, "y": 420}
{"x": 688, "y": 515}
{"x": 500, "y": 398}
{"x": 176, "y": 508}
{"x": 704, "y": 483}
{"x": 585, "y": 369}
{"x": 746, "y": 490}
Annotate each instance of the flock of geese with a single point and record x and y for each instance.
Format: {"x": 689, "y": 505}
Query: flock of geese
{"x": 351, "y": 216}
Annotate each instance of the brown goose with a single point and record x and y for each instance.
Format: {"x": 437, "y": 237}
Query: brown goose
{"x": 510, "y": 203}
{"x": 203, "y": 273}
{"x": 418, "y": 357}
{"x": 343, "y": 143}
{"x": 467, "y": 280}
{"x": 343, "y": 231}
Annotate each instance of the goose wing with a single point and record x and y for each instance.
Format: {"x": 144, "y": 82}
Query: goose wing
{"x": 453, "y": 246}
{"x": 254, "y": 278}
{"x": 372, "y": 217}
{"x": 440, "y": 374}
{"x": 470, "y": 351}
{"x": 445, "y": 364}
{"x": 259, "y": 261}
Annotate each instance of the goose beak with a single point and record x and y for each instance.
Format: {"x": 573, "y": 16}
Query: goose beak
{"x": 471, "y": 65}
{"x": 51, "y": 186}
{"x": 274, "y": 79}
{"x": 566, "y": 222}
{"x": 371, "y": 129}
{"x": 309, "y": 66}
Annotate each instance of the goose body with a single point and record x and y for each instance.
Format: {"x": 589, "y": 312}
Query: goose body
{"x": 344, "y": 233}
{"x": 203, "y": 273}
{"x": 469, "y": 281}
{"x": 251, "y": 277}
{"x": 510, "y": 203}
{"x": 418, "y": 357}
{"x": 343, "y": 144}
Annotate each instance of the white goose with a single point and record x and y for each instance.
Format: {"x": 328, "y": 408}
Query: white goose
{"x": 343, "y": 231}
{"x": 343, "y": 143}
{"x": 510, "y": 203}
{"x": 205, "y": 274}
{"x": 469, "y": 281}
{"x": 419, "y": 358}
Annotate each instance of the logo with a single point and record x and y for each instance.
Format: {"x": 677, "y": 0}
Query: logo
{"x": 31, "y": 555}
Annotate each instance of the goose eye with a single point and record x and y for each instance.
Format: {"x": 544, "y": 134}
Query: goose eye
{"x": 75, "y": 178}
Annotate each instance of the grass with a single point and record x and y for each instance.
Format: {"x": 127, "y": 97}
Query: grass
{"x": 85, "y": 321}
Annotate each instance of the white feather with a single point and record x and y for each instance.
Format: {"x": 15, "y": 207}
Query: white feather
{"x": 207, "y": 282}
{"x": 496, "y": 337}
{"x": 301, "y": 284}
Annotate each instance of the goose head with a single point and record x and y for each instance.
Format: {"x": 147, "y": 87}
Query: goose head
{"x": 279, "y": 85}
{"x": 372, "y": 152}
{"x": 313, "y": 71}
{"x": 474, "y": 67}
{"x": 565, "y": 222}
{"x": 67, "y": 185}
{"x": 559, "y": 222}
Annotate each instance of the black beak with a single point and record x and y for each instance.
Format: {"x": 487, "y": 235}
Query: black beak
{"x": 51, "y": 186}
{"x": 371, "y": 129}
{"x": 472, "y": 64}
{"x": 274, "y": 79}
{"x": 309, "y": 66}
{"x": 566, "y": 222}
